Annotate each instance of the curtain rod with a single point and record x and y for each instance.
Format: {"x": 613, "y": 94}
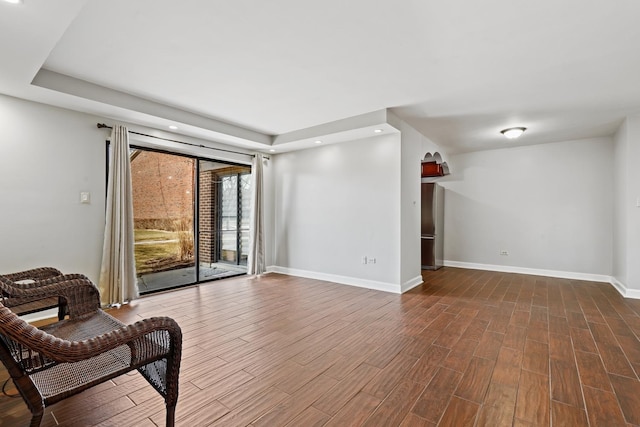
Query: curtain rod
{"x": 102, "y": 125}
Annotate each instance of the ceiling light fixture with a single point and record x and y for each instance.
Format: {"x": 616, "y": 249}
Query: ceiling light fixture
{"x": 317, "y": 141}
{"x": 13, "y": 1}
{"x": 513, "y": 133}
{"x": 378, "y": 130}
{"x": 272, "y": 150}
{"x": 173, "y": 127}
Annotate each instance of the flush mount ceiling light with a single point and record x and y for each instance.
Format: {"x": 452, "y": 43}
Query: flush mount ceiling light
{"x": 173, "y": 127}
{"x": 13, "y": 1}
{"x": 318, "y": 141}
{"x": 513, "y": 133}
{"x": 378, "y": 130}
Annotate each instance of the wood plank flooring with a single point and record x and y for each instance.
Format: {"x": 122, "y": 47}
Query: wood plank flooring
{"x": 466, "y": 348}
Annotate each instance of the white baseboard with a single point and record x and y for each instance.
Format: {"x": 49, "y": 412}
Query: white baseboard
{"x": 620, "y": 287}
{"x": 416, "y": 281}
{"x": 344, "y": 280}
{"x": 624, "y": 291}
{"x": 410, "y": 284}
{"x": 531, "y": 271}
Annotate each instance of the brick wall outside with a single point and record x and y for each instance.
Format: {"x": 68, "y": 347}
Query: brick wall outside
{"x": 208, "y": 217}
{"x": 163, "y": 188}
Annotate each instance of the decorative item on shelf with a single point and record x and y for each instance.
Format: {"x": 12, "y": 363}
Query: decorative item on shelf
{"x": 432, "y": 169}
{"x": 433, "y": 166}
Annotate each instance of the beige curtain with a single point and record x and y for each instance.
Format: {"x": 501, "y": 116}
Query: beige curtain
{"x": 255, "y": 261}
{"x": 118, "y": 271}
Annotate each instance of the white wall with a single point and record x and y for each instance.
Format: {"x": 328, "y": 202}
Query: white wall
{"x": 631, "y": 204}
{"x": 620, "y": 180}
{"x": 626, "y": 230}
{"x": 47, "y": 157}
{"x": 335, "y": 204}
{"x": 411, "y": 155}
{"x": 549, "y": 206}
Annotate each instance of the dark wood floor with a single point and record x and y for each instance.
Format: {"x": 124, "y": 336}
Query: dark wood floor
{"x": 467, "y": 348}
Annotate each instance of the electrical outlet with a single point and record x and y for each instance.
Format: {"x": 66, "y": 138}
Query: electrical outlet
{"x": 504, "y": 253}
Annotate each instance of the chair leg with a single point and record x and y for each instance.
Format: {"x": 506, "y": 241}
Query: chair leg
{"x": 36, "y": 419}
{"x": 171, "y": 415}
{"x": 31, "y": 398}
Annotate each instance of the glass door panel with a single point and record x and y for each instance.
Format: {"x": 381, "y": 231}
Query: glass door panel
{"x": 223, "y": 230}
{"x": 245, "y": 216}
{"x": 229, "y": 225}
{"x": 163, "y": 188}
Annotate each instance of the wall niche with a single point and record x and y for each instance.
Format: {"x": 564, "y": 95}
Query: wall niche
{"x": 433, "y": 166}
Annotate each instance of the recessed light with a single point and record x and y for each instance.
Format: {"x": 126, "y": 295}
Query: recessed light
{"x": 272, "y": 150}
{"x": 173, "y": 127}
{"x": 513, "y": 133}
{"x": 317, "y": 141}
{"x": 13, "y": 1}
{"x": 378, "y": 130}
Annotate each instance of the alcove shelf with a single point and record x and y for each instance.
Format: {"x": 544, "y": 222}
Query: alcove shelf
{"x": 433, "y": 166}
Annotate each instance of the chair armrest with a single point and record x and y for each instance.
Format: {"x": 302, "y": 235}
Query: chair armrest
{"x": 73, "y": 351}
{"x": 36, "y": 274}
{"x": 48, "y": 281}
{"x": 64, "y": 351}
{"x": 80, "y": 293}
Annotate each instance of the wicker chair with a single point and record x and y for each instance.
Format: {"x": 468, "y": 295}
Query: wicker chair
{"x": 33, "y": 278}
{"x": 50, "y": 364}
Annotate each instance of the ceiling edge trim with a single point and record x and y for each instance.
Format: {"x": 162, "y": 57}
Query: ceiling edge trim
{"x": 379, "y": 118}
{"x": 72, "y": 86}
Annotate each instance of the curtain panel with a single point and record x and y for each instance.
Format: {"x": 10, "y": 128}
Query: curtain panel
{"x": 255, "y": 261}
{"x": 118, "y": 271}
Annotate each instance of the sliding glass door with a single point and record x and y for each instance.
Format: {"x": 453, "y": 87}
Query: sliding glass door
{"x": 191, "y": 219}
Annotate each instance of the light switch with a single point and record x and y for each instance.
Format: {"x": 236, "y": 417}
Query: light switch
{"x": 85, "y": 197}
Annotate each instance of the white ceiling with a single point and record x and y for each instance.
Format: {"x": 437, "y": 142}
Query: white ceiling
{"x": 244, "y": 72}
